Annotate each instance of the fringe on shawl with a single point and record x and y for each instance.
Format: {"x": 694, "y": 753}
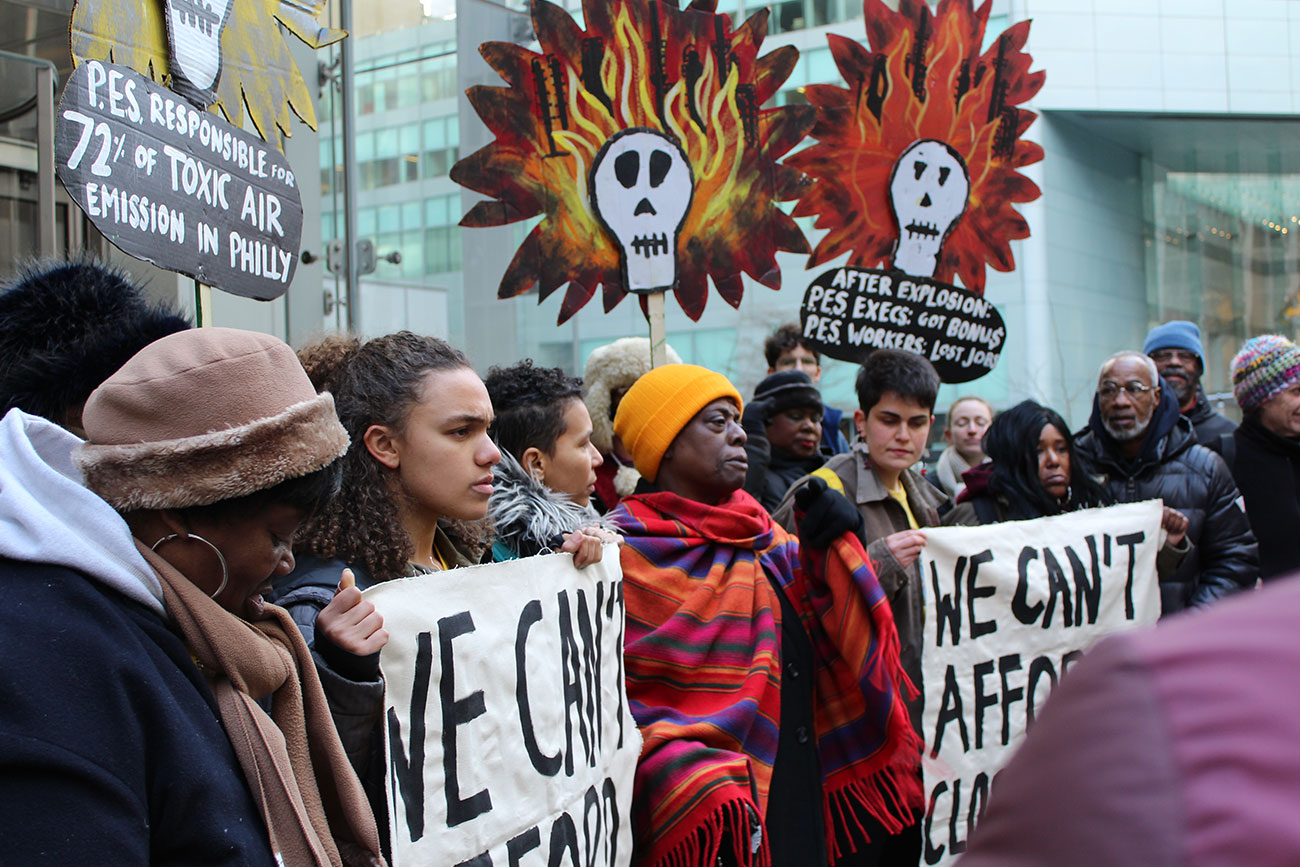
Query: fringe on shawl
{"x": 703, "y": 843}
{"x": 891, "y": 796}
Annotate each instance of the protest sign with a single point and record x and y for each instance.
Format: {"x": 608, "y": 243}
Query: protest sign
{"x": 848, "y": 312}
{"x": 175, "y": 185}
{"x": 1009, "y": 608}
{"x": 509, "y": 735}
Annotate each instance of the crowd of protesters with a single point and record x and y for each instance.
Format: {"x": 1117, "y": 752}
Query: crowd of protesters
{"x": 160, "y": 486}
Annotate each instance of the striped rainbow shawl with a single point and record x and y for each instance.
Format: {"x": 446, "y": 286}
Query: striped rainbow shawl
{"x": 702, "y": 655}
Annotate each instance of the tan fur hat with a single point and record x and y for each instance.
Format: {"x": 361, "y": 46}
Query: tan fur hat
{"x": 204, "y": 416}
{"x": 610, "y": 367}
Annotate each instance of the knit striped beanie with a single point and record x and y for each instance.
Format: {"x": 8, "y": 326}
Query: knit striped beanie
{"x": 1264, "y": 366}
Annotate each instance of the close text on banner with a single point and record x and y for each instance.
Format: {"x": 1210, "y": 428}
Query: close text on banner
{"x": 509, "y": 735}
{"x": 1009, "y": 607}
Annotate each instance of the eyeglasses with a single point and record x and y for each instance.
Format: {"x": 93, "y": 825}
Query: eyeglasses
{"x": 1109, "y": 390}
{"x": 1161, "y": 356}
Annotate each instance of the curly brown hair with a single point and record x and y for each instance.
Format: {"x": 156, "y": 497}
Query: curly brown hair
{"x": 376, "y": 382}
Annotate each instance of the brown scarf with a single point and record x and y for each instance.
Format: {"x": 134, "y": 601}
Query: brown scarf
{"x": 315, "y": 809}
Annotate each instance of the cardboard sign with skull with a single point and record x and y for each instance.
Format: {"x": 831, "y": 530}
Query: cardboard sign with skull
{"x": 915, "y": 167}
{"x": 641, "y": 187}
{"x": 646, "y": 139}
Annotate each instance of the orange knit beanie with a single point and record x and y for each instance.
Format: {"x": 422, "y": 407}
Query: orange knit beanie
{"x": 660, "y": 404}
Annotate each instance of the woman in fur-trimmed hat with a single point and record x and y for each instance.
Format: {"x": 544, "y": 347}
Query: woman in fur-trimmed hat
{"x": 611, "y": 370}
{"x": 156, "y": 710}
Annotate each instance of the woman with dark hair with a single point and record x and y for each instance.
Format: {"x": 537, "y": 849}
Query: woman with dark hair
{"x": 418, "y": 418}
{"x": 156, "y": 710}
{"x": 547, "y": 474}
{"x": 1034, "y": 471}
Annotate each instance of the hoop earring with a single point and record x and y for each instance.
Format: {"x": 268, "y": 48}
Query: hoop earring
{"x": 221, "y": 558}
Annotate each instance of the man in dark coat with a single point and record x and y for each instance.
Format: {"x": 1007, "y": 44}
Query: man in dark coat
{"x": 1144, "y": 449}
{"x": 1264, "y": 453}
{"x": 1176, "y": 349}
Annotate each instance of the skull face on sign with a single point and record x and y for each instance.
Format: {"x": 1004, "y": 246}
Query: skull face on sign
{"x": 928, "y": 191}
{"x": 641, "y": 186}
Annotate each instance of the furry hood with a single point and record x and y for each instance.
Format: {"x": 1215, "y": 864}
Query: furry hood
{"x": 528, "y": 515}
{"x": 47, "y": 516}
{"x": 614, "y": 365}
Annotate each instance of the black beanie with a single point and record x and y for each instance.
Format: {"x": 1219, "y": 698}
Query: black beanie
{"x": 788, "y": 389}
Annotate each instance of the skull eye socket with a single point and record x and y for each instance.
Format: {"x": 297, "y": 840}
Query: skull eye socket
{"x": 660, "y": 163}
{"x": 627, "y": 166}
{"x": 944, "y": 171}
{"x": 919, "y": 167}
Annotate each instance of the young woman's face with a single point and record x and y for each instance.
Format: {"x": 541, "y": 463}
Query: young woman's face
{"x": 707, "y": 460}
{"x": 1054, "y": 462}
{"x": 895, "y": 430}
{"x": 570, "y": 468}
{"x": 443, "y": 455}
{"x": 257, "y": 547}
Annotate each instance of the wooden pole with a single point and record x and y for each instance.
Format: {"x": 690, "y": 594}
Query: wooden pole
{"x": 658, "y": 330}
{"x": 202, "y": 304}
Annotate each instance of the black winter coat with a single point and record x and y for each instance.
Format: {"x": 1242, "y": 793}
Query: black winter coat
{"x": 1266, "y": 468}
{"x": 1209, "y": 424}
{"x": 111, "y": 747}
{"x": 1195, "y": 481}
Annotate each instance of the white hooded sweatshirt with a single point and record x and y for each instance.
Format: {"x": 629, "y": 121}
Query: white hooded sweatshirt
{"x": 48, "y": 516}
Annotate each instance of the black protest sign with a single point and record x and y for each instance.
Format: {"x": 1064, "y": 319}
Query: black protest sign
{"x": 177, "y": 186}
{"x": 849, "y": 312}
{"x": 1011, "y": 607}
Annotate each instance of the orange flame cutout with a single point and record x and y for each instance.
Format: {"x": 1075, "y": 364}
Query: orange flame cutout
{"x": 925, "y": 79}
{"x": 683, "y": 72}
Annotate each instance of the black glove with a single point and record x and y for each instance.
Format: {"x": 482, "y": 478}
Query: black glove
{"x": 823, "y": 515}
{"x": 754, "y": 418}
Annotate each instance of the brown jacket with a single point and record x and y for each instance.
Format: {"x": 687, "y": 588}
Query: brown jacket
{"x": 881, "y": 517}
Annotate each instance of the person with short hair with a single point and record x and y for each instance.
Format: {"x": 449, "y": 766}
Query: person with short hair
{"x": 1176, "y": 349}
{"x": 785, "y": 349}
{"x": 762, "y": 670}
{"x": 1264, "y": 453}
{"x": 784, "y": 437}
{"x": 968, "y": 418}
{"x": 543, "y": 484}
{"x": 156, "y": 710}
{"x": 65, "y": 327}
{"x": 896, "y": 394}
{"x": 1142, "y": 448}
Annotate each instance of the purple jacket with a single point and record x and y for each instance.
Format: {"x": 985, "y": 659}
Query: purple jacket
{"x": 1176, "y": 746}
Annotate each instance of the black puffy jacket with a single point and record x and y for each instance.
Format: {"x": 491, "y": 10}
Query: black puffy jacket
{"x": 1195, "y": 481}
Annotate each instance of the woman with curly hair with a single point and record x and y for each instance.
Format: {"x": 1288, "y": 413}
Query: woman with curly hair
{"x": 417, "y": 415}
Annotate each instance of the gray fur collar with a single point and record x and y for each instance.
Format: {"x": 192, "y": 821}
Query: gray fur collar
{"x": 528, "y": 515}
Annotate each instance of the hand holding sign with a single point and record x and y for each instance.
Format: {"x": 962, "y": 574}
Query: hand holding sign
{"x": 906, "y": 546}
{"x": 1174, "y": 523}
{"x": 351, "y": 622}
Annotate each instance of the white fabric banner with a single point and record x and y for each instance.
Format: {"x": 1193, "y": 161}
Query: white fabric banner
{"x": 509, "y": 735}
{"x": 1009, "y": 607}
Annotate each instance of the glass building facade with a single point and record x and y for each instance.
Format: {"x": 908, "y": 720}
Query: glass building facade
{"x": 1171, "y": 189}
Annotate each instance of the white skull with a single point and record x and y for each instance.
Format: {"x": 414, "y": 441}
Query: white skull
{"x": 928, "y": 191}
{"x": 641, "y": 187}
{"x": 194, "y": 27}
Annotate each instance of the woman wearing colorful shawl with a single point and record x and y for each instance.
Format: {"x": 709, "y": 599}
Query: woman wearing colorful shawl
{"x": 764, "y": 675}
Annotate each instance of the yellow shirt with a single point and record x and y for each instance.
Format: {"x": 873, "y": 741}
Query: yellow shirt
{"x": 900, "y": 494}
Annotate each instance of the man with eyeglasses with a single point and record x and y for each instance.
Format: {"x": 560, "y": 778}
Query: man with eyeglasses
{"x": 1144, "y": 449}
{"x": 1176, "y": 349}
